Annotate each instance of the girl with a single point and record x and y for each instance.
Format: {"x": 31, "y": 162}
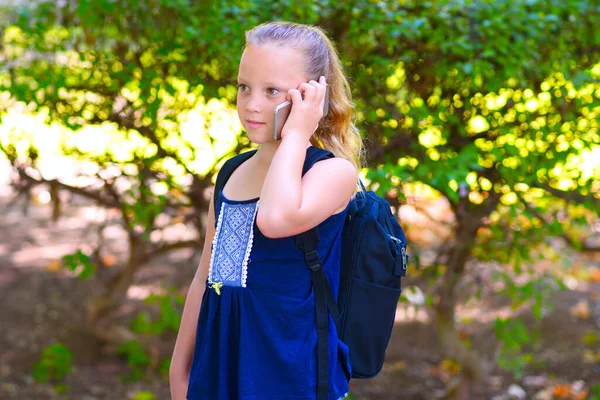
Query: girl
{"x": 254, "y": 335}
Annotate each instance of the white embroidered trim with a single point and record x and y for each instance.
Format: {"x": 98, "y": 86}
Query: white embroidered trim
{"x": 214, "y": 244}
{"x": 249, "y": 247}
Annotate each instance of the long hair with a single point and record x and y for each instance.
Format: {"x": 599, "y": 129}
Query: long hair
{"x": 337, "y": 131}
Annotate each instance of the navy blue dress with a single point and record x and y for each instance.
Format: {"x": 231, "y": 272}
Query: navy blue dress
{"x": 256, "y": 336}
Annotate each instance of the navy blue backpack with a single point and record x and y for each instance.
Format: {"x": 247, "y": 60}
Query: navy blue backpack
{"x": 373, "y": 262}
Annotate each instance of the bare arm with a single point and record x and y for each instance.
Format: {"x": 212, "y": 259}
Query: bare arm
{"x": 290, "y": 203}
{"x": 184, "y": 345}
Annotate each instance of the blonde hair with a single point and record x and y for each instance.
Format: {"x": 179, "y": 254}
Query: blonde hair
{"x": 337, "y": 131}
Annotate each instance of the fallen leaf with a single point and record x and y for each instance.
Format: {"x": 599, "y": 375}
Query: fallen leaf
{"x": 451, "y": 366}
{"x": 595, "y": 275}
{"x": 589, "y": 339}
{"x": 590, "y": 357}
{"x": 580, "y": 310}
{"x": 54, "y": 266}
{"x": 582, "y": 395}
{"x": 446, "y": 370}
{"x": 109, "y": 260}
{"x": 578, "y": 390}
{"x": 545, "y": 394}
{"x": 561, "y": 391}
{"x": 397, "y": 366}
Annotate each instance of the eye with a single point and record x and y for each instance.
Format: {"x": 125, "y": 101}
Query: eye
{"x": 242, "y": 87}
{"x": 272, "y": 91}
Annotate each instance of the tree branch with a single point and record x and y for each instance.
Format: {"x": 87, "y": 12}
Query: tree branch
{"x": 94, "y": 195}
{"x": 569, "y": 196}
{"x": 569, "y": 239}
{"x": 166, "y": 247}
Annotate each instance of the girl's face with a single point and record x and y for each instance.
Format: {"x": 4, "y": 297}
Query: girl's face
{"x": 265, "y": 75}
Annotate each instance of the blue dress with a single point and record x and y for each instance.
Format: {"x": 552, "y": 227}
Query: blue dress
{"x": 256, "y": 337}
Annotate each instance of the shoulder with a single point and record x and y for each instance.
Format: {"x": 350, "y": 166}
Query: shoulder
{"x": 326, "y": 189}
{"x": 335, "y": 168}
{"x": 337, "y": 176}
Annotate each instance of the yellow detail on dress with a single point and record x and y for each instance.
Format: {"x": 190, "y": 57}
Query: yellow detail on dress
{"x": 217, "y": 286}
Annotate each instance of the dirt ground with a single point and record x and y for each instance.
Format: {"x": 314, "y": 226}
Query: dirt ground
{"x": 40, "y": 304}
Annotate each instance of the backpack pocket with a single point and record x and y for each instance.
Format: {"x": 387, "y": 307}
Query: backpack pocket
{"x": 398, "y": 250}
{"x": 378, "y": 256}
{"x": 371, "y": 312}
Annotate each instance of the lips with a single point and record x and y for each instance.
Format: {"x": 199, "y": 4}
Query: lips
{"x": 254, "y": 124}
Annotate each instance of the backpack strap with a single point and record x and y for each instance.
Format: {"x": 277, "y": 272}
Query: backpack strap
{"x": 313, "y": 155}
{"x": 323, "y": 300}
{"x": 226, "y": 171}
{"x": 307, "y": 242}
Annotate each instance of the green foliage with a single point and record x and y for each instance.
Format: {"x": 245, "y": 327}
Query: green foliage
{"x": 164, "y": 367}
{"x": 539, "y": 291}
{"x": 143, "y": 213}
{"x": 144, "y": 396}
{"x": 513, "y": 335}
{"x": 352, "y": 396}
{"x": 169, "y": 315}
{"x": 169, "y": 319}
{"x": 590, "y": 339}
{"x": 54, "y": 364}
{"x": 141, "y": 362}
{"x": 80, "y": 263}
{"x": 595, "y": 392}
{"x": 137, "y": 359}
{"x": 490, "y": 97}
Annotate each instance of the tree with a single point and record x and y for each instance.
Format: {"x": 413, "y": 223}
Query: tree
{"x": 494, "y": 105}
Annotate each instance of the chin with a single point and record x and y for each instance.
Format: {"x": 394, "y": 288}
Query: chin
{"x": 260, "y": 137}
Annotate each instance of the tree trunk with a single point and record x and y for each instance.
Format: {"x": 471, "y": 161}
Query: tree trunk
{"x": 116, "y": 291}
{"x": 451, "y": 344}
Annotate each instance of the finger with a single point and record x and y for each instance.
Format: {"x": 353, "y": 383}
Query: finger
{"x": 309, "y": 91}
{"x": 295, "y": 96}
{"x": 314, "y": 84}
{"x": 320, "y": 90}
{"x": 318, "y": 84}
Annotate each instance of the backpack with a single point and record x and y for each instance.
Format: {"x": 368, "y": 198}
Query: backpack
{"x": 373, "y": 262}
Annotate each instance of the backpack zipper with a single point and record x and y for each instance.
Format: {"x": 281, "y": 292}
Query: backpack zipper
{"x": 402, "y": 250}
{"x": 396, "y": 239}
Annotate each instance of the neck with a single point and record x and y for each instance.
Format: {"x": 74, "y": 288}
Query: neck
{"x": 266, "y": 151}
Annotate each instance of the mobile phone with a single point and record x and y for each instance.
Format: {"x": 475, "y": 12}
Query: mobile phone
{"x": 282, "y": 112}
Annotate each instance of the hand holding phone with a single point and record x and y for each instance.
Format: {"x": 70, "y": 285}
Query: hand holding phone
{"x": 282, "y": 112}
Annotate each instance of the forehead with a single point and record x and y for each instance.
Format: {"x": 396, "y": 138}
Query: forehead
{"x": 272, "y": 63}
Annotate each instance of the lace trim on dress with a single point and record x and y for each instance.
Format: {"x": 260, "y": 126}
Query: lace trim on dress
{"x": 214, "y": 245}
{"x": 232, "y": 245}
{"x": 249, "y": 248}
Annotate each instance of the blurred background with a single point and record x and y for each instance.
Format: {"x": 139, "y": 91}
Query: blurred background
{"x": 481, "y": 120}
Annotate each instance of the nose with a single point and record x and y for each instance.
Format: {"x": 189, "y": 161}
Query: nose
{"x": 255, "y": 104}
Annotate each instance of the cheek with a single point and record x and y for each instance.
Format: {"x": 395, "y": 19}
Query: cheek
{"x": 273, "y": 103}
{"x": 240, "y": 106}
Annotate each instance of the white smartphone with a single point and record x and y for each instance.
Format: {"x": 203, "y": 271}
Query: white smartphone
{"x": 282, "y": 112}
